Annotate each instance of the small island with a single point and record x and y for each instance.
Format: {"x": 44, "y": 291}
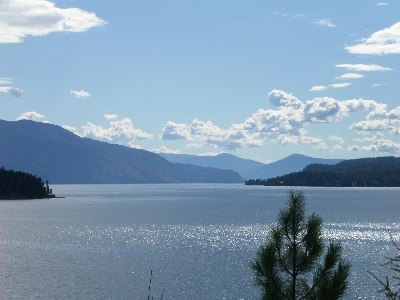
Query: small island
{"x": 16, "y": 185}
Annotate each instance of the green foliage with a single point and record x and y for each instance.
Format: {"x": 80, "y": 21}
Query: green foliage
{"x": 376, "y": 172}
{"x": 20, "y": 185}
{"x": 391, "y": 292}
{"x": 288, "y": 266}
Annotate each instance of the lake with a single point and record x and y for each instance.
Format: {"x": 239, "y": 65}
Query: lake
{"x": 102, "y": 241}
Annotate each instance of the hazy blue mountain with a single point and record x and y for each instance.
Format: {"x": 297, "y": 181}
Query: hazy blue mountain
{"x": 58, "y": 155}
{"x": 220, "y": 161}
{"x": 292, "y": 163}
{"x": 250, "y": 169}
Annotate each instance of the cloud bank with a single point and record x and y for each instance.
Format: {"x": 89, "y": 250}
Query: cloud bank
{"x": 119, "y": 132}
{"x": 379, "y": 145}
{"x": 380, "y": 120}
{"x": 286, "y": 124}
{"x": 19, "y": 19}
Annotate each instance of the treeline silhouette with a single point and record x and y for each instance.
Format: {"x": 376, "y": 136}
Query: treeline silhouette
{"x": 364, "y": 172}
{"x": 21, "y": 185}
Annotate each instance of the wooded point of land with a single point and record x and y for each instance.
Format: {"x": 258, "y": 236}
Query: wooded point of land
{"x": 21, "y": 185}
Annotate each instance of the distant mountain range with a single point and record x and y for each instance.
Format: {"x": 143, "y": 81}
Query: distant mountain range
{"x": 221, "y": 161}
{"x": 58, "y": 155}
{"x": 292, "y": 163}
{"x": 250, "y": 169}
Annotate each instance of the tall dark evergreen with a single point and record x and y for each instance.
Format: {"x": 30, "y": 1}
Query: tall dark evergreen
{"x": 289, "y": 265}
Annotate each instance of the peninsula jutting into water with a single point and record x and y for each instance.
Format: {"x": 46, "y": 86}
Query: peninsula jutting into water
{"x": 364, "y": 172}
{"x": 21, "y": 185}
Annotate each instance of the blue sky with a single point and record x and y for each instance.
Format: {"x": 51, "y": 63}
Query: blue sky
{"x": 258, "y": 79}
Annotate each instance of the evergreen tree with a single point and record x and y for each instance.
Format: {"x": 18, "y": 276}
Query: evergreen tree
{"x": 391, "y": 291}
{"x": 288, "y": 266}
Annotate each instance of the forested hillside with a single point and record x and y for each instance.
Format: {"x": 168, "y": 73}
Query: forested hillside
{"x": 365, "y": 172}
{"x": 21, "y": 185}
{"x": 65, "y": 158}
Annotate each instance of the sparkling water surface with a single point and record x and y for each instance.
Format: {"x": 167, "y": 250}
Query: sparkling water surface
{"x": 102, "y": 241}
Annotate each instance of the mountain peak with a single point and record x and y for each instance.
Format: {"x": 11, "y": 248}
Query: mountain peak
{"x": 60, "y": 156}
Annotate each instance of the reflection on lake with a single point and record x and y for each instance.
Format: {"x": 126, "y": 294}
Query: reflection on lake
{"x": 102, "y": 240}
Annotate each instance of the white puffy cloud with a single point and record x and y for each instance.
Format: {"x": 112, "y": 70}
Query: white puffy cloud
{"x": 174, "y": 131}
{"x": 69, "y": 128}
{"x": 302, "y": 138}
{"x": 377, "y": 125}
{"x": 31, "y": 115}
{"x": 358, "y": 105}
{"x": 283, "y": 120}
{"x": 205, "y": 128}
{"x": 318, "y": 88}
{"x": 19, "y": 19}
{"x": 206, "y": 133}
{"x": 335, "y": 138}
{"x": 377, "y": 136}
{"x": 80, "y": 94}
{"x": 230, "y": 139}
{"x": 323, "y": 110}
{"x": 330, "y": 110}
{"x": 380, "y": 145}
{"x": 337, "y": 147}
{"x": 381, "y": 4}
{"x": 340, "y": 85}
{"x": 370, "y": 125}
{"x": 111, "y": 116}
{"x": 362, "y": 67}
{"x": 120, "y": 132}
{"x": 380, "y": 120}
{"x": 325, "y": 22}
{"x": 164, "y": 149}
{"x": 194, "y": 146}
{"x": 72, "y": 129}
{"x": 385, "y": 41}
{"x": 350, "y": 76}
{"x": 280, "y": 98}
{"x": 210, "y": 154}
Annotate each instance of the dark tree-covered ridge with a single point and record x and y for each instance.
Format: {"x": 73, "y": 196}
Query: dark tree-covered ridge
{"x": 21, "y": 185}
{"x": 364, "y": 172}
